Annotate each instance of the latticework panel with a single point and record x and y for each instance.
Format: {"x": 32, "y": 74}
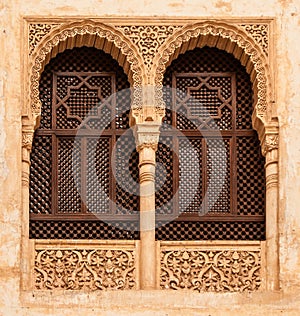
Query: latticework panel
{"x": 210, "y": 230}
{"x": 220, "y": 171}
{"x": 40, "y": 175}
{"x": 97, "y": 175}
{"x": 203, "y": 100}
{"x": 81, "y": 97}
{"x": 218, "y": 195}
{"x": 250, "y": 177}
{"x": 213, "y": 61}
{"x": 68, "y": 174}
{"x": 75, "y": 195}
{"x": 84, "y": 229}
{"x": 164, "y": 176}
{"x": 67, "y": 65}
{"x": 190, "y": 175}
{"x": 126, "y": 175}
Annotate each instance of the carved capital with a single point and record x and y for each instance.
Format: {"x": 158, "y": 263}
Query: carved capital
{"x": 146, "y": 135}
{"x": 27, "y": 138}
{"x": 270, "y": 143}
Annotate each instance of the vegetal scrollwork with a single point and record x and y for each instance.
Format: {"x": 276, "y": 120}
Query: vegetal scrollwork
{"x": 210, "y": 271}
{"x": 95, "y": 269}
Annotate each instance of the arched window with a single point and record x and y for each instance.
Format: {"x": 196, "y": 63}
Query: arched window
{"x": 74, "y": 192}
{"x": 208, "y": 122}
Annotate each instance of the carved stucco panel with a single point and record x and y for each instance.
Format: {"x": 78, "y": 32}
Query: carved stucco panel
{"x": 148, "y": 38}
{"x": 210, "y": 270}
{"x": 260, "y": 33}
{"x": 84, "y": 269}
{"x": 36, "y": 32}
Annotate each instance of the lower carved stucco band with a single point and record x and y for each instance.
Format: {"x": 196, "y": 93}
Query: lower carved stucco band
{"x": 85, "y": 269}
{"x": 210, "y": 270}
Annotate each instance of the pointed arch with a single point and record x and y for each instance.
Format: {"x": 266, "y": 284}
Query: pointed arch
{"x": 233, "y": 40}
{"x": 85, "y": 33}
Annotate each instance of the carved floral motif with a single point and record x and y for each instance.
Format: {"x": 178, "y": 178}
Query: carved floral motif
{"x": 260, "y": 33}
{"x": 224, "y": 32}
{"x": 210, "y": 270}
{"x": 95, "y": 269}
{"x": 270, "y": 143}
{"x": 36, "y": 32}
{"x": 148, "y": 38}
{"x": 90, "y": 29}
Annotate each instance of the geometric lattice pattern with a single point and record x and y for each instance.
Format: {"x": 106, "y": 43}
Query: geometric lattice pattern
{"x": 70, "y": 229}
{"x": 40, "y": 175}
{"x": 72, "y": 170}
{"x": 210, "y": 230}
{"x": 250, "y": 184}
{"x": 164, "y": 176}
{"x": 219, "y": 172}
{"x": 218, "y": 176}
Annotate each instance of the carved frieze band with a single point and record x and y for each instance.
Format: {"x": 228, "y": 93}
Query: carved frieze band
{"x": 84, "y": 269}
{"x": 211, "y": 270}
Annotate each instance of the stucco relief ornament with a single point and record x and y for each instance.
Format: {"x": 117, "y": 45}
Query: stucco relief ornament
{"x": 64, "y": 32}
{"x": 271, "y": 142}
{"x": 148, "y": 38}
{"x": 90, "y": 269}
{"x": 27, "y": 139}
{"x": 210, "y": 271}
{"x": 260, "y": 33}
{"x": 36, "y": 32}
{"x": 232, "y": 33}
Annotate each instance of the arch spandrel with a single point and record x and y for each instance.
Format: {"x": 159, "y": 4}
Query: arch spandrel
{"x": 77, "y": 34}
{"x": 232, "y": 39}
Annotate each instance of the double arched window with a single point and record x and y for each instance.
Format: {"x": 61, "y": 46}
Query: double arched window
{"x": 209, "y": 173}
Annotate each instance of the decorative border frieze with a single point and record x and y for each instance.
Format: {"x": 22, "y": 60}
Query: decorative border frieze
{"x": 85, "y": 267}
{"x": 210, "y": 269}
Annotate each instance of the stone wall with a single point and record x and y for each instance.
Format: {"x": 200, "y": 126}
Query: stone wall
{"x": 286, "y": 60}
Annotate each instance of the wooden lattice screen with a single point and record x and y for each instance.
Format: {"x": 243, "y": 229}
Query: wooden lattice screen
{"x": 221, "y": 124}
{"x": 66, "y": 165}
{"x": 77, "y": 80}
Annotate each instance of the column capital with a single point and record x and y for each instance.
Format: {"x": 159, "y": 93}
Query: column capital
{"x": 269, "y": 143}
{"x": 146, "y": 135}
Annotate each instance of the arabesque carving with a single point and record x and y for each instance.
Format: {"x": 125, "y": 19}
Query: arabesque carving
{"x": 78, "y": 269}
{"x": 271, "y": 142}
{"x": 148, "y": 38}
{"x": 77, "y": 30}
{"x": 211, "y": 270}
{"x": 223, "y": 33}
{"x": 36, "y": 32}
{"x": 260, "y": 33}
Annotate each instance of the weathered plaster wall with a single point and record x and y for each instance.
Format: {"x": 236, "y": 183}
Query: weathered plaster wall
{"x": 287, "y": 105}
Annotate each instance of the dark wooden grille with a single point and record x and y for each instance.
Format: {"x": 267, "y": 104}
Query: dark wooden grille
{"x": 209, "y": 108}
{"x": 73, "y": 190}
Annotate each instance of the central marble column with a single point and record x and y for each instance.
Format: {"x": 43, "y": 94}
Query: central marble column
{"x": 147, "y": 136}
